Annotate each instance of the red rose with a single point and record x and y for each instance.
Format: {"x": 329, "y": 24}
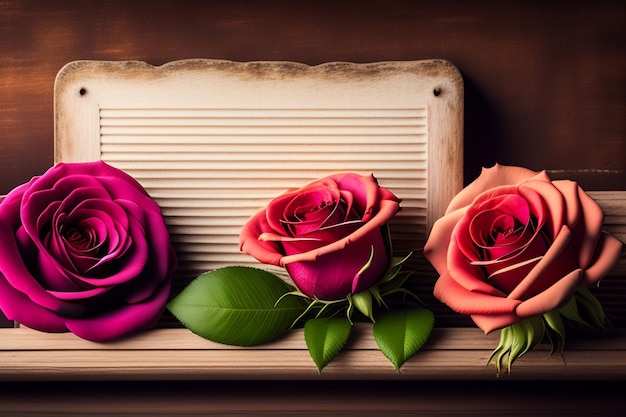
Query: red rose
{"x": 323, "y": 234}
{"x": 84, "y": 248}
{"x": 514, "y": 244}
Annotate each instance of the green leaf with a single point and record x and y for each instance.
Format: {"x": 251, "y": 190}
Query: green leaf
{"x": 237, "y": 305}
{"x": 401, "y": 333}
{"x": 325, "y": 338}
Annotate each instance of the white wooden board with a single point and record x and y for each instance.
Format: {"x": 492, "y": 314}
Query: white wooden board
{"x": 214, "y": 141}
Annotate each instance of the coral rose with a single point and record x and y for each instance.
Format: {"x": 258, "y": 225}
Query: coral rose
{"x": 514, "y": 244}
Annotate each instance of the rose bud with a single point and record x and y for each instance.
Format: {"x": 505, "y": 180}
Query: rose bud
{"x": 324, "y": 234}
{"x": 84, "y": 248}
{"x": 514, "y": 244}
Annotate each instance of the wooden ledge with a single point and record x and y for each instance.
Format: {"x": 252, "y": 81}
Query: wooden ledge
{"x": 450, "y": 353}
{"x": 178, "y": 354}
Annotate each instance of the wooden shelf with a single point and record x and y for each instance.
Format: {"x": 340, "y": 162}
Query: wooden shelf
{"x": 177, "y": 354}
{"x": 168, "y": 354}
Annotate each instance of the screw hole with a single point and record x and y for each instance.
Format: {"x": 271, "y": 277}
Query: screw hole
{"x": 82, "y": 91}
{"x": 437, "y": 92}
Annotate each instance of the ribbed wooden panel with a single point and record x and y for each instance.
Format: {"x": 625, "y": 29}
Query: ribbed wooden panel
{"x": 214, "y": 141}
{"x": 211, "y": 169}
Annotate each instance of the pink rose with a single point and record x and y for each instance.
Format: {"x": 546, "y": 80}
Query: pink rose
{"x": 323, "y": 234}
{"x": 514, "y": 244}
{"x": 84, "y": 248}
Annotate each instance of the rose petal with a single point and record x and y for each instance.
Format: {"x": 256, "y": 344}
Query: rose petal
{"x": 436, "y": 248}
{"x": 552, "y": 298}
{"x": 319, "y": 238}
{"x": 365, "y": 190}
{"x": 489, "y": 178}
{"x": 114, "y": 180}
{"x": 609, "y": 250}
{"x": 378, "y": 264}
{"x": 279, "y": 238}
{"x": 127, "y": 319}
{"x": 347, "y": 198}
{"x": 463, "y": 301}
{"x": 308, "y": 277}
{"x": 552, "y": 203}
{"x": 79, "y": 295}
{"x": 53, "y": 277}
{"x": 491, "y": 322}
{"x": 153, "y": 227}
{"x": 511, "y": 274}
{"x": 267, "y": 252}
{"x": 312, "y": 195}
{"x": 469, "y": 276}
{"x": 309, "y": 211}
{"x": 66, "y": 194}
{"x": 19, "y": 307}
{"x": 325, "y": 278}
{"x": 388, "y": 209}
{"x": 585, "y": 218}
{"x": 551, "y": 256}
{"x": 588, "y": 229}
{"x": 130, "y": 266}
{"x": 18, "y": 276}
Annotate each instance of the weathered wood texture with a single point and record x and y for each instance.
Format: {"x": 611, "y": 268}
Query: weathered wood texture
{"x": 544, "y": 81}
{"x": 177, "y": 354}
{"x": 213, "y": 140}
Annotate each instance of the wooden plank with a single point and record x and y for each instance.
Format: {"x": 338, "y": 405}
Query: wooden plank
{"x": 462, "y": 338}
{"x": 25, "y": 339}
{"x": 454, "y": 353}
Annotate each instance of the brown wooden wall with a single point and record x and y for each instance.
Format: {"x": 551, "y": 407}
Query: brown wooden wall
{"x": 545, "y": 81}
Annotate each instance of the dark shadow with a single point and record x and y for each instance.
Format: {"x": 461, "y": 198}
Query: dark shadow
{"x": 483, "y": 132}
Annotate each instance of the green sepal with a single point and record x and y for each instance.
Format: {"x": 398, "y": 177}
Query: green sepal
{"x": 368, "y": 263}
{"x": 325, "y": 338}
{"x": 402, "y": 333}
{"x": 570, "y": 312}
{"x": 585, "y": 309}
{"x": 378, "y": 297}
{"x": 516, "y": 340}
{"x": 363, "y": 302}
{"x": 395, "y": 265}
{"x": 592, "y": 309}
{"x": 555, "y": 323}
{"x": 237, "y": 305}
